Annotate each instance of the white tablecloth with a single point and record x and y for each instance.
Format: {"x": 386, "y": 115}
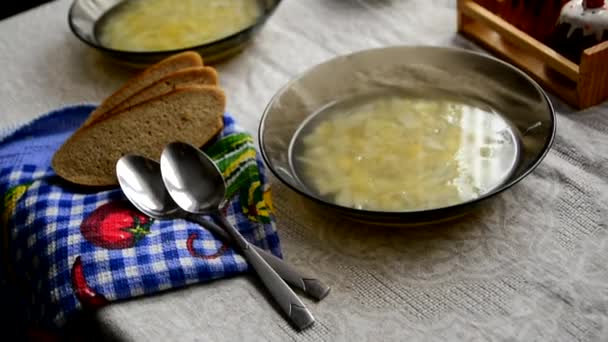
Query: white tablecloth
{"x": 531, "y": 266}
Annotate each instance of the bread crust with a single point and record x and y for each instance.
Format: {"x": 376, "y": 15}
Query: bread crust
{"x": 182, "y": 77}
{"x": 145, "y": 78}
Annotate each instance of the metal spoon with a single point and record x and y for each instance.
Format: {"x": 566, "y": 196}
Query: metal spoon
{"x": 197, "y": 186}
{"x": 142, "y": 183}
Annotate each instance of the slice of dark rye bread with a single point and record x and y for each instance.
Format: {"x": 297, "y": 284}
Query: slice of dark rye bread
{"x": 145, "y": 78}
{"x": 187, "y": 76}
{"x": 191, "y": 114}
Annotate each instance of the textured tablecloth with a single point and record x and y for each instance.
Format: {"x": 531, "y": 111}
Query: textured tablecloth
{"x": 532, "y": 266}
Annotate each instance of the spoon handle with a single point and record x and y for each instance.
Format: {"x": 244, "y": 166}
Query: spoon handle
{"x": 309, "y": 285}
{"x": 288, "y": 301}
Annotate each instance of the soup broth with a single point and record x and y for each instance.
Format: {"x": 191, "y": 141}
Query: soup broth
{"x": 399, "y": 153}
{"x": 157, "y": 25}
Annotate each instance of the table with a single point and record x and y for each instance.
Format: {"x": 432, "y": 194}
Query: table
{"x": 530, "y": 266}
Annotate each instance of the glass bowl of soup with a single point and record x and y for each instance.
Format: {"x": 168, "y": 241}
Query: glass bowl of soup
{"x": 142, "y": 32}
{"x": 406, "y": 134}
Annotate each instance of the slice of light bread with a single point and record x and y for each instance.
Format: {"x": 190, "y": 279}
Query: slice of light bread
{"x": 145, "y": 78}
{"x": 191, "y": 114}
{"x": 194, "y": 75}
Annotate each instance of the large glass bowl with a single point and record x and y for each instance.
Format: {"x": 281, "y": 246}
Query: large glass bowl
{"x": 449, "y": 71}
{"x": 84, "y": 14}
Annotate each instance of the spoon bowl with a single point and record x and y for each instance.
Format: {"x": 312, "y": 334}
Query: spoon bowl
{"x": 140, "y": 181}
{"x": 198, "y": 187}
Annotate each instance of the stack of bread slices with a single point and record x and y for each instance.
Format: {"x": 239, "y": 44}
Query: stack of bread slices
{"x": 177, "y": 99}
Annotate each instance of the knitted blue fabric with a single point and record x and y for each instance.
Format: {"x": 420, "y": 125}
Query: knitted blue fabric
{"x": 66, "y": 248}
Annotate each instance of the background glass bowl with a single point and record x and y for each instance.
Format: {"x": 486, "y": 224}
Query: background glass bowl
{"x": 419, "y": 70}
{"x": 84, "y": 14}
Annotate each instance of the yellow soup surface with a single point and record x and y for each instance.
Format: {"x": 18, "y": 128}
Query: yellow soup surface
{"x": 155, "y": 25}
{"x": 394, "y": 153}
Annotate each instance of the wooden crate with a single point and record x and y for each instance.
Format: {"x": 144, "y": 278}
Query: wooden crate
{"x": 581, "y": 86}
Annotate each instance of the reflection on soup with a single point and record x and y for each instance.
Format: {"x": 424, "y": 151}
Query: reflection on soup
{"x": 396, "y": 153}
{"x": 156, "y": 25}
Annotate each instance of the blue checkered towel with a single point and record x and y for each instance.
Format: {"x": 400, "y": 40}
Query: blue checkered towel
{"x": 66, "y": 248}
